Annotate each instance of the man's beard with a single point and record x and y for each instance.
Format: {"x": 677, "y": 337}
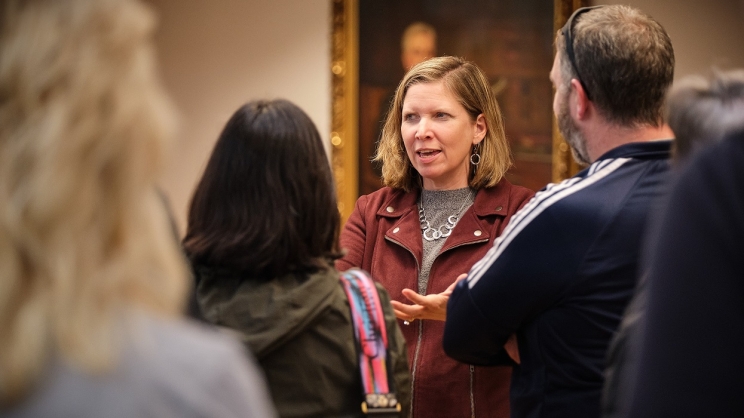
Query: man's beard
{"x": 572, "y": 134}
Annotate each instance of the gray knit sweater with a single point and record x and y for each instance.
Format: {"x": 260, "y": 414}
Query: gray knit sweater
{"x": 438, "y": 206}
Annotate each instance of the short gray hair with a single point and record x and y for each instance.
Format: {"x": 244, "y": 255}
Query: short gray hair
{"x": 626, "y": 61}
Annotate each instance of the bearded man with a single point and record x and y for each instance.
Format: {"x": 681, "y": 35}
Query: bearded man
{"x": 563, "y": 271}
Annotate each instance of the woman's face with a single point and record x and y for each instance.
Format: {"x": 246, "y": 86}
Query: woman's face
{"x": 438, "y": 134}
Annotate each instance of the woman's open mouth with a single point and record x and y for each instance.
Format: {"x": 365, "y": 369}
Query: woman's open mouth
{"x": 428, "y": 154}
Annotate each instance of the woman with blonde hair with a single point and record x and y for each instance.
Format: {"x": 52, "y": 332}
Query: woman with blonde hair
{"x": 92, "y": 281}
{"x": 444, "y": 155}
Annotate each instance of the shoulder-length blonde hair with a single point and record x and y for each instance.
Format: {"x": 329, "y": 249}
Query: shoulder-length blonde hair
{"x": 471, "y": 88}
{"x": 84, "y": 124}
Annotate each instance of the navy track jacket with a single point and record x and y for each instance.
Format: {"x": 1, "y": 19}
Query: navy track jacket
{"x": 560, "y": 277}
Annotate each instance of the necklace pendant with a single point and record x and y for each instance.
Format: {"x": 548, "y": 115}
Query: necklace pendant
{"x": 435, "y": 235}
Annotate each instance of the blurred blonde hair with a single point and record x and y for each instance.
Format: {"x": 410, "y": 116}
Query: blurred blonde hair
{"x": 84, "y": 124}
{"x": 471, "y": 88}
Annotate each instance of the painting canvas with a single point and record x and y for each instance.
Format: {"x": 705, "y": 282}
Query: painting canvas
{"x": 510, "y": 40}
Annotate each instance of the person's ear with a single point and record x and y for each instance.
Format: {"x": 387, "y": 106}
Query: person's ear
{"x": 581, "y": 105}
{"x": 480, "y": 129}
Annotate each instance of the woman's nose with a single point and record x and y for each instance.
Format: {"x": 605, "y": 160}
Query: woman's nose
{"x": 422, "y": 131}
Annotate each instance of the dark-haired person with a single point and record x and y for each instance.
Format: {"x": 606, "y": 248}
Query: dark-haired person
{"x": 690, "y": 362}
{"x": 701, "y": 111}
{"x": 562, "y": 273}
{"x": 444, "y": 155}
{"x": 262, "y": 236}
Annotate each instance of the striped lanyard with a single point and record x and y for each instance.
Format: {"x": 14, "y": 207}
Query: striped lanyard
{"x": 371, "y": 334}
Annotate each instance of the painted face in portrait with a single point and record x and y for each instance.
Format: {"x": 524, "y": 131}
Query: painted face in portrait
{"x": 439, "y": 134}
{"x": 419, "y": 47}
{"x": 566, "y": 125}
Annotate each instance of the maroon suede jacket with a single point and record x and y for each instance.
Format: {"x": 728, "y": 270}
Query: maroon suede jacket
{"x": 383, "y": 236}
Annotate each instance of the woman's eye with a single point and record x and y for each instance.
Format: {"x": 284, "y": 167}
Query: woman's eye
{"x": 410, "y": 117}
{"x": 440, "y": 115}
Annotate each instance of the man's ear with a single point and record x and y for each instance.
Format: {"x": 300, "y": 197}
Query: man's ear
{"x": 581, "y": 103}
{"x": 480, "y": 129}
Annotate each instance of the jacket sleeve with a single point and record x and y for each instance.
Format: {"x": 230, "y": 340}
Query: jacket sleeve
{"x": 398, "y": 354}
{"x": 520, "y": 276}
{"x": 353, "y": 238}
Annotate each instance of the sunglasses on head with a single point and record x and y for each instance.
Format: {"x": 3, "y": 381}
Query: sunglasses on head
{"x": 567, "y": 32}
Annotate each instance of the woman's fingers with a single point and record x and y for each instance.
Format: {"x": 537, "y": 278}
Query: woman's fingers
{"x": 424, "y": 306}
{"x": 512, "y": 348}
{"x": 405, "y": 312}
{"x": 414, "y": 297}
{"x": 451, "y": 287}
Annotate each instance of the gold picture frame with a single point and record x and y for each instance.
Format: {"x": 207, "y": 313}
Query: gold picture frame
{"x": 345, "y": 118}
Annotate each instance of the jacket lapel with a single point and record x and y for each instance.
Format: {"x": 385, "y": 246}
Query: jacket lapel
{"x": 470, "y": 229}
{"x": 401, "y": 211}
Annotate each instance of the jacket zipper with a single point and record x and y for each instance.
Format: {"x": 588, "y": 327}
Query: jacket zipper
{"x": 472, "y": 392}
{"x": 471, "y": 367}
{"x": 420, "y": 328}
{"x": 415, "y": 359}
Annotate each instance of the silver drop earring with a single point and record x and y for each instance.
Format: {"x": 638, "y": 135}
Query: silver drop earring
{"x": 475, "y": 157}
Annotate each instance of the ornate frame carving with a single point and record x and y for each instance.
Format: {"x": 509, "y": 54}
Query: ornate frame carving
{"x": 344, "y": 86}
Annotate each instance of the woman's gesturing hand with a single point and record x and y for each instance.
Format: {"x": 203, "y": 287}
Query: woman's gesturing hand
{"x": 432, "y": 306}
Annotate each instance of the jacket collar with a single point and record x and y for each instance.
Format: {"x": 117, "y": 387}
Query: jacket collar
{"x": 402, "y": 210}
{"x": 652, "y": 150}
{"x": 488, "y": 201}
{"x": 267, "y": 313}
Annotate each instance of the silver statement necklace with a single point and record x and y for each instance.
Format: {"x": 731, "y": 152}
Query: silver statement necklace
{"x": 445, "y": 230}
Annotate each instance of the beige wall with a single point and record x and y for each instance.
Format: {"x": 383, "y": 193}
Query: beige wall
{"x": 217, "y": 54}
{"x": 704, "y": 33}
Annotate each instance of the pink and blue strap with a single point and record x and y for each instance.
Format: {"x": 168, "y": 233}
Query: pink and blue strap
{"x": 371, "y": 333}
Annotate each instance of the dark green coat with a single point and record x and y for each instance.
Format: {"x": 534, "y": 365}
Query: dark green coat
{"x": 299, "y": 328}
